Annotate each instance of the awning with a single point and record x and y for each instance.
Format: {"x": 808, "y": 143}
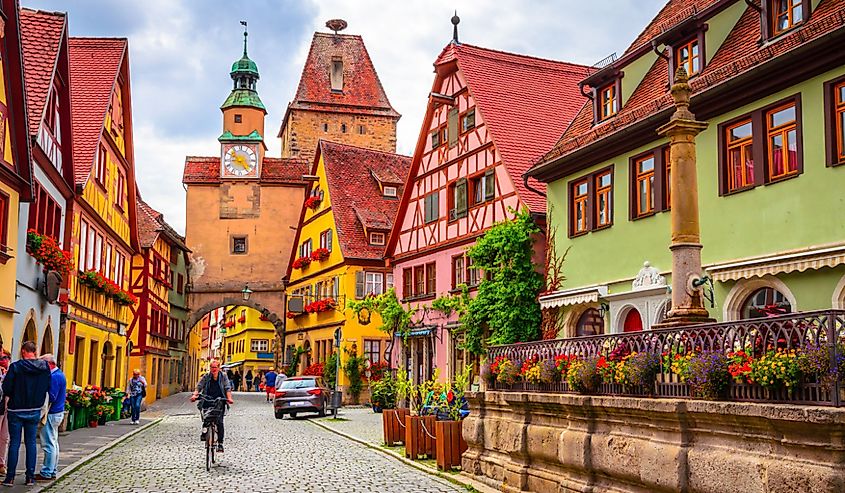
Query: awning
{"x": 231, "y": 365}
{"x": 422, "y": 331}
{"x": 576, "y": 296}
{"x": 778, "y": 264}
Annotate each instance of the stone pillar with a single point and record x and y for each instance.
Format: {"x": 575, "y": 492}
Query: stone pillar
{"x": 687, "y": 304}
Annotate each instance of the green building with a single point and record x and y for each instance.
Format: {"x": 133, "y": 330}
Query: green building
{"x": 769, "y": 79}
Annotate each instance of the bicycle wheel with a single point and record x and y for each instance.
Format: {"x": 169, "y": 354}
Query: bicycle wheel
{"x": 212, "y": 444}
{"x": 209, "y": 448}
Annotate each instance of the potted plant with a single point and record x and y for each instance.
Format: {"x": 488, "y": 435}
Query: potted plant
{"x": 451, "y": 409}
{"x": 301, "y": 262}
{"x": 320, "y": 254}
{"x": 393, "y": 419}
{"x": 419, "y": 425}
{"x": 382, "y": 393}
{"x": 313, "y": 202}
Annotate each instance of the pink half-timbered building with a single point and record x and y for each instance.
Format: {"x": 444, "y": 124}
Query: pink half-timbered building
{"x": 490, "y": 115}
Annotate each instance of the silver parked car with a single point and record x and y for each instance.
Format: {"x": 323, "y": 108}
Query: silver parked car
{"x": 305, "y": 394}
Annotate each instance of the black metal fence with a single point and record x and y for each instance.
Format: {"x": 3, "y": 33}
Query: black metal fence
{"x": 798, "y": 331}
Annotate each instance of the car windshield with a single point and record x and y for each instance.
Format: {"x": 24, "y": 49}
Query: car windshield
{"x": 298, "y": 384}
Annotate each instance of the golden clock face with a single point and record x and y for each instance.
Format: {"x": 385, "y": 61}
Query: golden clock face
{"x": 240, "y": 160}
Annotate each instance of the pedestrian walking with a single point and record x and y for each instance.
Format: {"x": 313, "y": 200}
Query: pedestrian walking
{"x": 237, "y": 381}
{"x": 280, "y": 377}
{"x": 50, "y": 430}
{"x": 26, "y": 386}
{"x": 248, "y": 381}
{"x": 270, "y": 385}
{"x": 5, "y": 359}
{"x": 256, "y": 381}
{"x": 137, "y": 388}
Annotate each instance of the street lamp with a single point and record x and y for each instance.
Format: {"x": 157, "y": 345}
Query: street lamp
{"x": 246, "y": 292}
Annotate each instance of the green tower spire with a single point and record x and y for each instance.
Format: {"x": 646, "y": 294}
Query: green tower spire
{"x": 245, "y": 77}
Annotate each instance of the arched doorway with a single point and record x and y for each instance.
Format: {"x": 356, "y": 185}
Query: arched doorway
{"x": 633, "y": 321}
{"x": 107, "y": 367}
{"x": 30, "y": 333}
{"x": 765, "y": 302}
{"x": 47, "y": 341}
{"x": 306, "y": 361}
{"x": 590, "y": 323}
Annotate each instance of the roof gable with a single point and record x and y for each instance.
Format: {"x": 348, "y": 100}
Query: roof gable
{"x": 41, "y": 38}
{"x": 94, "y": 67}
{"x": 151, "y": 225}
{"x": 526, "y": 102}
{"x": 350, "y": 182}
{"x": 739, "y": 54}
{"x": 362, "y": 90}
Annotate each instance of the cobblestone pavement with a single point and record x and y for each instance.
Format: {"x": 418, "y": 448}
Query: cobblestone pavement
{"x": 263, "y": 454}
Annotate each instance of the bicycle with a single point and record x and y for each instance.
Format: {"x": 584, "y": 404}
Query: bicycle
{"x": 210, "y": 415}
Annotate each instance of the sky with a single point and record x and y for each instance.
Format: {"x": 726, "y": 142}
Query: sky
{"x": 181, "y": 51}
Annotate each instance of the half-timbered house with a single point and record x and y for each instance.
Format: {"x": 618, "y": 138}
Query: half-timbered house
{"x": 490, "y": 115}
{"x": 44, "y": 37}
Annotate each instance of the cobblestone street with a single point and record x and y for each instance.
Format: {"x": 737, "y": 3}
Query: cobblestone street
{"x": 263, "y": 454}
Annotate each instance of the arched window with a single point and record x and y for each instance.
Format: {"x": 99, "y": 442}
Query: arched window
{"x": 633, "y": 321}
{"x": 590, "y": 323}
{"x": 765, "y": 302}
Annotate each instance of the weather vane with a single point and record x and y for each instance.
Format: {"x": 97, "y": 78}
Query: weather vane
{"x": 243, "y": 23}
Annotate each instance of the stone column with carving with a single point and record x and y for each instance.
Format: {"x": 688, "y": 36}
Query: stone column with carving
{"x": 687, "y": 304}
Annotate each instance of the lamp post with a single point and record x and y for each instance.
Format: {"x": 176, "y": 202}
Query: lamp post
{"x": 687, "y": 304}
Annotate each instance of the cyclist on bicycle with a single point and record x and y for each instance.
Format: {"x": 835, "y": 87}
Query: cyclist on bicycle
{"x": 213, "y": 385}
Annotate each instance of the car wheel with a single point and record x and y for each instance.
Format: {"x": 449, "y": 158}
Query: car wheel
{"x": 292, "y": 415}
{"x": 279, "y": 414}
{"x": 322, "y": 411}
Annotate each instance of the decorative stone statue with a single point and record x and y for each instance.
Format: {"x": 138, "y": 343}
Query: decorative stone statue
{"x": 648, "y": 277}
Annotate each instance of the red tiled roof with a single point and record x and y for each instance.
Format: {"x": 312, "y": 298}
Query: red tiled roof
{"x": 148, "y": 223}
{"x": 94, "y": 66}
{"x": 739, "y": 53}
{"x": 671, "y": 14}
{"x": 41, "y": 38}
{"x": 356, "y": 194}
{"x": 362, "y": 90}
{"x": 526, "y": 103}
{"x": 206, "y": 170}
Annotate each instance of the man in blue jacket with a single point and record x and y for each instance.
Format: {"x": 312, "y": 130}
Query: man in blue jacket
{"x": 26, "y": 385}
{"x": 50, "y": 430}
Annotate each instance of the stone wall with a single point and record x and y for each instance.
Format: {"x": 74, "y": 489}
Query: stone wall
{"x": 305, "y": 128}
{"x": 571, "y": 443}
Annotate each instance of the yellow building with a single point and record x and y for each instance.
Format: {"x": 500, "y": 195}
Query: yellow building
{"x": 339, "y": 253}
{"x": 14, "y": 170}
{"x": 156, "y": 335}
{"x": 104, "y": 234}
{"x": 248, "y": 340}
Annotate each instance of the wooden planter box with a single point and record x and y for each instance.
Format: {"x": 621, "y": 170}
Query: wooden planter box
{"x": 419, "y": 437}
{"x": 393, "y": 421}
{"x": 450, "y": 444}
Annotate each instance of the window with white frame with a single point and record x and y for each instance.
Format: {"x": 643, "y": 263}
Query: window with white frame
{"x": 374, "y": 283}
{"x": 259, "y": 345}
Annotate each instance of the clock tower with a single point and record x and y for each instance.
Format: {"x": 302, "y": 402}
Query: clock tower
{"x": 242, "y": 141}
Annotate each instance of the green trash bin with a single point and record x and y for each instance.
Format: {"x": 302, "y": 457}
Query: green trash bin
{"x": 116, "y": 405}
{"x": 70, "y": 417}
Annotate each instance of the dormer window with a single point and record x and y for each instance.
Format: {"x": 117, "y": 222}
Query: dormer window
{"x": 377, "y": 238}
{"x": 688, "y": 55}
{"x": 390, "y": 191}
{"x": 608, "y": 101}
{"x": 780, "y": 16}
{"x": 337, "y": 74}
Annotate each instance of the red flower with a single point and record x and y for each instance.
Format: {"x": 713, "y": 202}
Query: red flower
{"x": 450, "y": 396}
{"x": 301, "y": 262}
{"x": 313, "y": 202}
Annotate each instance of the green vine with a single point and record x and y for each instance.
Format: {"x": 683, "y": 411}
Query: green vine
{"x": 354, "y": 368}
{"x": 330, "y": 370}
{"x": 294, "y": 359}
{"x": 457, "y": 303}
{"x": 506, "y": 304}
{"x": 396, "y": 319}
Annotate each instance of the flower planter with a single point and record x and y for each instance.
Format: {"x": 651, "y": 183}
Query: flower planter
{"x": 93, "y": 423}
{"x": 393, "y": 421}
{"x": 450, "y": 444}
{"x": 419, "y": 437}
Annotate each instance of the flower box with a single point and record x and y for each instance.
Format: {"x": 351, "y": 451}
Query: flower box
{"x": 301, "y": 262}
{"x": 320, "y": 306}
{"x": 99, "y": 283}
{"x": 320, "y": 254}
{"x": 450, "y": 444}
{"x": 46, "y": 252}
{"x": 242, "y": 320}
{"x": 419, "y": 437}
{"x": 393, "y": 424}
{"x": 313, "y": 202}
{"x": 229, "y": 324}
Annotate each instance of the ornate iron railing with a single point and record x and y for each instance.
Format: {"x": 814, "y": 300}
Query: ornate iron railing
{"x": 824, "y": 328}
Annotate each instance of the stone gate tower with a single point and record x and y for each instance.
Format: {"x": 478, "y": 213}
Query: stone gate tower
{"x": 339, "y": 98}
{"x": 242, "y": 208}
